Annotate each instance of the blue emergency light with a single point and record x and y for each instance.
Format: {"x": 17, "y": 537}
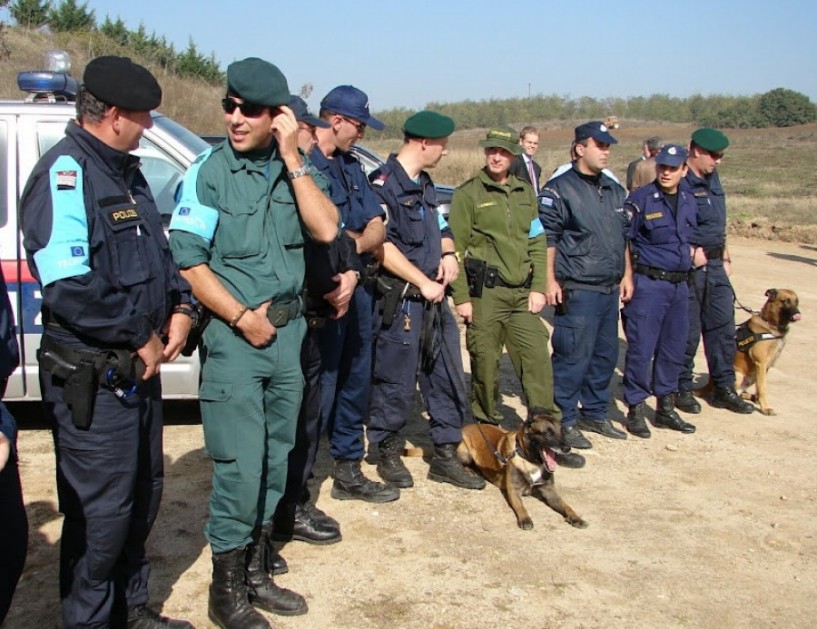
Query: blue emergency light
{"x": 52, "y": 84}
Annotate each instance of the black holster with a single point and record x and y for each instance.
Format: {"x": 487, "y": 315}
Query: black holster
{"x": 431, "y": 339}
{"x": 80, "y": 383}
{"x": 390, "y": 295}
{"x": 203, "y": 317}
{"x": 475, "y": 272}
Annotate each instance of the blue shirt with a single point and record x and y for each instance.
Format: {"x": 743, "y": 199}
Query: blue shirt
{"x": 711, "y": 222}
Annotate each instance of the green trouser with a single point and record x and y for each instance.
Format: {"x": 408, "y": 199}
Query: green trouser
{"x": 501, "y": 317}
{"x": 250, "y": 400}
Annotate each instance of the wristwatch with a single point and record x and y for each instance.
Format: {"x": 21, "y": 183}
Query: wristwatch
{"x": 300, "y": 172}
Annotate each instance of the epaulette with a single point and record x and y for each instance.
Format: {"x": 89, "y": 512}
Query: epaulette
{"x": 379, "y": 179}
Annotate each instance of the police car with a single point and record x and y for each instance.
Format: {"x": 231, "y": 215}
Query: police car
{"x": 29, "y": 128}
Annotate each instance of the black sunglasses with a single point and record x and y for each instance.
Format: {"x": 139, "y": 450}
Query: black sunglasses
{"x": 250, "y": 110}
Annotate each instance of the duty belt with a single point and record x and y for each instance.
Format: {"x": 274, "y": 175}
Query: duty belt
{"x": 676, "y": 277}
{"x": 281, "y": 313}
{"x": 98, "y": 358}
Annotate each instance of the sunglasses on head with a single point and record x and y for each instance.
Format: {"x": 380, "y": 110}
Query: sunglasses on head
{"x": 250, "y": 110}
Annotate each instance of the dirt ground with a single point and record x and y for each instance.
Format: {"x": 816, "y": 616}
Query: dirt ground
{"x": 715, "y": 529}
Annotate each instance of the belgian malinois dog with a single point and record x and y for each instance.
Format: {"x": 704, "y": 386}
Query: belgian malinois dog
{"x": 520, "y": 463}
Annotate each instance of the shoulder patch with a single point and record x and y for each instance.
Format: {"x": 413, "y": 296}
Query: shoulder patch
{"x": 550, "y": 191}
{"x": 379, "y": 180}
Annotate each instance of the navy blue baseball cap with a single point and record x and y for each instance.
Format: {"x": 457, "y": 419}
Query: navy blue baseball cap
{"x": 347, "y": 100}
{"x": 595, "y": 129}
{"x": 672, "y": 155}
{"x": 301, "y": 110}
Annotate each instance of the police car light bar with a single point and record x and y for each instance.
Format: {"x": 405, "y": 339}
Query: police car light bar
{"x": 51, "y": 86}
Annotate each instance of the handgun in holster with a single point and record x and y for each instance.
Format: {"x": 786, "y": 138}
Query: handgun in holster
{"x": 80, "y": 385}
{"x": 563, "y": 307}
{"x": 475, "y": 271}
{"x": 390, "y": 294}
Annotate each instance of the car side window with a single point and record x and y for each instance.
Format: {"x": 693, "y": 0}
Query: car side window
{"x": 48, "y": 134}
{"x": 163, "y": 177}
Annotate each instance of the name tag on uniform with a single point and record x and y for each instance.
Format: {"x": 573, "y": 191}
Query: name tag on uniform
{"x": 124, "y": 216}
{"x": 654, "y": 215}
{"x": 486, "y": 204}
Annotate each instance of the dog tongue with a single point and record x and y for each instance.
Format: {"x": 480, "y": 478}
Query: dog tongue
{"x": 550, "y": 459}
{"x": 796, "y": 317}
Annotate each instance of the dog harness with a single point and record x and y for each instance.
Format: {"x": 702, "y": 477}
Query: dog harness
{"x": 745, "y": 338}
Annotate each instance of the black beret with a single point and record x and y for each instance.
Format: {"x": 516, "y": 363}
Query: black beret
{"x": 120, "y": 82}
{"x": 428, "y": 124}
{"x": 710, "y": 139}
{"x": 257, "y": 81}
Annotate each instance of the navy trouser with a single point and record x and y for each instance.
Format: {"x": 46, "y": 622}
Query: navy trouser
{"x": 304, "y": 453}
{"x": 585, "y": 352}
{"x": 711, "y": 313}
{"x": 109, "y": 484}
{"x": 346, "y": 352}
{"x": 13, "y": 530}
{"x": 398, "y": 368}
{"x": 656, "y": 323}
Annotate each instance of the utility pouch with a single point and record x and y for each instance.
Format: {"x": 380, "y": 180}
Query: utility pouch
{"x": 79, "y": 393}
{"x": 391, "y": 300}
{"x": 563, "y": 308}
{"x": 475, "y": 274}
{"x": 491, "y": 276}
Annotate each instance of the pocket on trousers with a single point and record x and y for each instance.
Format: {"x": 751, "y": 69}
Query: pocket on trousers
{"x": 393, "y": 360}
{"x": 219, "y": 429}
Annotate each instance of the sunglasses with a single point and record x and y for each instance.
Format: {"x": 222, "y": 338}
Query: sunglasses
{"x": 249, "y": 110}
{"x": 714, "y": 154}
{"x": 360, "y": 126}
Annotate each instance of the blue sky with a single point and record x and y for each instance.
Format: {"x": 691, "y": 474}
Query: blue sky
{"x": 410, "y": 53}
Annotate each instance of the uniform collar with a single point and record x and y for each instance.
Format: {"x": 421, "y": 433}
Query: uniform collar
{"x": 253, "y": 161}
{"x": 511, "y": 184}
{"x": 406, "y": 183}
{"x": 106, "y": 158}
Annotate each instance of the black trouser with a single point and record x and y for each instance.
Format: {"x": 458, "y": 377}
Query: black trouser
{"x": 13, "y": 531}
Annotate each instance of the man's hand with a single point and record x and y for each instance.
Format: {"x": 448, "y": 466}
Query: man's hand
{"x": 256, "y": 327}
{"x": 285, "y": 129}
{"x": 698, "y": 257}
{"x": 5, "y": 451}
{"x": 553, "y": 295}
{"x": 433, "y": 291}
{"x": 151, "y": 354}
{"x": 626, "y": 288}
{"x": 448, "y": 271}
{"x": 466, "y": 311}
{"x": 177, "y": 327}
{"x": 536, "y": 301}
{"x": 340, "y": 297}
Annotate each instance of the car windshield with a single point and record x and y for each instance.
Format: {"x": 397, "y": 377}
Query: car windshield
{"x": 185, "y": 136}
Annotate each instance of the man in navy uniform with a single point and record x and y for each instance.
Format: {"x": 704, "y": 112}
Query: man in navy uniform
{"x": 656, "y": 319}
{"x": 711, "y": 297}
{"x": 114, "y": 309}
{"x": 419, "y": 261}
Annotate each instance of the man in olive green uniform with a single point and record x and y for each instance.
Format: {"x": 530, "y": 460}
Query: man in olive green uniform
{"x": 500, "y": 290}
{"x": 238, "y": 235}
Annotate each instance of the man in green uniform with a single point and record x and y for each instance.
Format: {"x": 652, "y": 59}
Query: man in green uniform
{"x": 500, "y": 290}
{"x": 238, "y": 236}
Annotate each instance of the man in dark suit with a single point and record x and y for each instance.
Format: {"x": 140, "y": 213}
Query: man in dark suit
{"x": 523, "y": 165}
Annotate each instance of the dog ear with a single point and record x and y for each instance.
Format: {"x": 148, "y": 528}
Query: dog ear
{"x": 771, "y": 293}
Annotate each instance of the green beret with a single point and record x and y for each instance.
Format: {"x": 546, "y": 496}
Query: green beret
{"x": 710, "y": 139}
{"x": 257, "y": 81}
{"x": 503, "y": 138}
{"x": 428, "y": 124}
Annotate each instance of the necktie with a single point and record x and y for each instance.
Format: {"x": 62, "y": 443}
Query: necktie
{"x": 532, "y": 175}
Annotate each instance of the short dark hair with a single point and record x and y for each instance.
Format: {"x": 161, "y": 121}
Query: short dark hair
{"x": 89, "y": 107}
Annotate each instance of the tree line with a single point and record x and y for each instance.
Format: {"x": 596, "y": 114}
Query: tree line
{"x": 69, "y": 16}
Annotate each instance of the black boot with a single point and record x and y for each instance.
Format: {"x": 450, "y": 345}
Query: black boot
{"x": 274, "y": 563}
{"x": 142, "y": 617}
{"x": 390, "y": 464}
{"x": 686, "y": 402}
{"x": 351, "y": 484}
{"x": 228, "y": 606}
{"x": 635, "y": 421}
{"x": 261, "y": 591}
{"x": 446, "y": 468}
{"x": 727, "y": 397}
{"x": 316, "y": 514}
{"x": 666, "y": 417}
{"x": 293, "y": 521}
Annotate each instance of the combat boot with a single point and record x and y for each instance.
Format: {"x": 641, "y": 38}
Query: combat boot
{"x": 142, "y": 617}
{"x": 446, "y": 468}
{"x": 686, "y": 402}
{"x": 274, "y": 563}
{"x": 728, "y": 398}
{"x": 228, "y": 606}
{"x": 261, "y": 590}
{"x": 666, "y": 417}
{"x": 351, "y": 484}
{"x": 292, "y": 521}
{"x": 635, "y": 421}
{"x": 390, "y": 465}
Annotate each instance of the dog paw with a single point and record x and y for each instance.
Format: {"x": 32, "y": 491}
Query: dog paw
{"x": 578, "y": 523}
{"x": 526, "y": 524}
{"x": 768, "y": 411}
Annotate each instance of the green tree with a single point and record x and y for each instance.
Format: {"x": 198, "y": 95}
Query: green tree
{"x": 69, "y": 16}
{"x": 785, "y": 108}
{"x": 116, "y": 31}
{"x": 30, "y": 13}
{"x": 5, "y": 51}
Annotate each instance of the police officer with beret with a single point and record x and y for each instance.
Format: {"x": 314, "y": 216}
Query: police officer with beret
{"x": 331, "y": 278}
{"x": 346, "y": 343}
{"x": 582, "y": 211}
{"x": 114, "y": 309}
{"x": 501, "y": 285}
{"x": 711, "y": 297}
{"x": 656, "y": 319}
{"x": 419, "y": 261}
{"x": 238, "y": 234}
